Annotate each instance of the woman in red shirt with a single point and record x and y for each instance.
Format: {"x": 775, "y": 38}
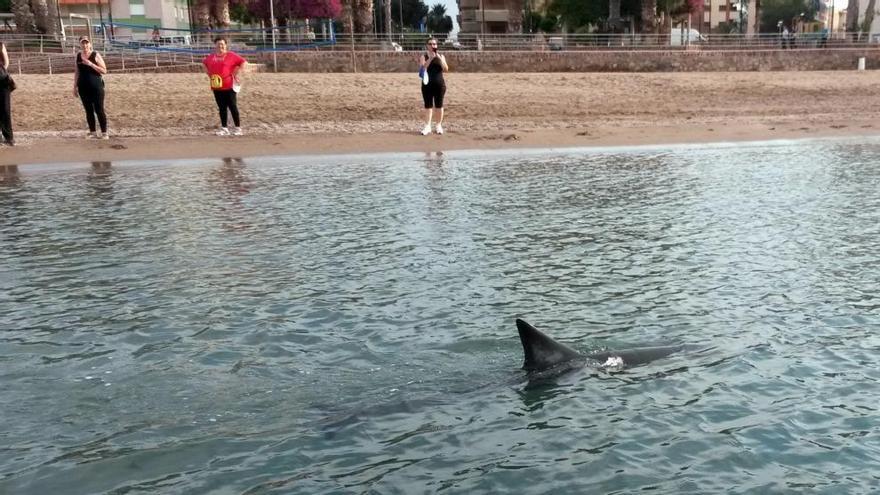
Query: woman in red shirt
{"x": 223, "y": 67}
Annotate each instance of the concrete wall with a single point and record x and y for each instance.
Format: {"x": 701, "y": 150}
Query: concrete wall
{"x": 604, "y": 61}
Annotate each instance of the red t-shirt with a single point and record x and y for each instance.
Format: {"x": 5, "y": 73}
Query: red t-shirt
{"x": 220, "y": 69}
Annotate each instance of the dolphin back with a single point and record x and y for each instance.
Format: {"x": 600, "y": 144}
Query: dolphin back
{"x": 637, "y": 356}
{"x": 540, "y": 351}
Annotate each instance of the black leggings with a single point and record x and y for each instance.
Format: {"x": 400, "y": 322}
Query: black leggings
{"x": 93, "y": 102}
{"x": 6, "y": 114}
{"x": 432, "y": 94}
{"x": 227, "y": 99}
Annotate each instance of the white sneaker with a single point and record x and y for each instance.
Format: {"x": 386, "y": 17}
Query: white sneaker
{"x": 92, "y": 135}
{"x": 426, "y": 130}
{"x": 224, "y": 131}
{"x": 439, "y": 129}
{"x": 105, "y": 136}
{"x": 237, "y": 132}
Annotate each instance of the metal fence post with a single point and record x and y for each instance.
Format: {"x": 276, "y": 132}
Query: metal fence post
{"x": 157, "y": 58}
{"x": 41, "y": 43}
{"x": 50, "y": 66}
{"x": 19, "y": 66}
{"x": 123, "y": 59}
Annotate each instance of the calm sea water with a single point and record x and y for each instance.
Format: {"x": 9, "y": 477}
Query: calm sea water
{"x": 346, "y": 324}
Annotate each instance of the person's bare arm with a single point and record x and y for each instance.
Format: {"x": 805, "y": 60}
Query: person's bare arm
{"x": 99, "y": 64}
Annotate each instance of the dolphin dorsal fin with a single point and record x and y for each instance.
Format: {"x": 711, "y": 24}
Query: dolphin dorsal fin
{"x": 540, "y": 351}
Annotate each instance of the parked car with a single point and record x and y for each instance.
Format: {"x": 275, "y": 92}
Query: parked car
{"x": 681, "y": 36}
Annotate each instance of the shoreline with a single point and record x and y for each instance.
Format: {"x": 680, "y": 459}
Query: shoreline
{"x": 173, "y": 116}
{"x": 60, "y": 150}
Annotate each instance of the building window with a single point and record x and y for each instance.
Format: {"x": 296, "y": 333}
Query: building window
{"x": 137, "y": 9}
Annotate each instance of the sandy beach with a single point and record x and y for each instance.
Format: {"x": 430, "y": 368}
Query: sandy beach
{"x": 157, "y": 116}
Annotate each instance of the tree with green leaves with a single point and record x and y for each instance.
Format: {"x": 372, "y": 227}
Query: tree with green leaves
{"x": 577, "y": 15}
{"x": 773, "y": 11}
{"x": 438, "y": 21}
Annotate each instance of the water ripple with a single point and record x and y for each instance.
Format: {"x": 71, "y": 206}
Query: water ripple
{"x": 289, "y": 325}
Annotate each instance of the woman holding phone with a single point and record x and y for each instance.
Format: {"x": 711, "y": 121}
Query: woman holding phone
{"x": 434, "y": 63}
{"x": 88, "y": 85}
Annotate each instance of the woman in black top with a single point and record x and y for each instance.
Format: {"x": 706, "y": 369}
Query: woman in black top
{"x": 433, "y": 92}
{"x": 5, "y": 98}
{"x": 88, "y": 84}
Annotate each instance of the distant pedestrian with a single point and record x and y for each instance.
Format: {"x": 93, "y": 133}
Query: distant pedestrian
{"x": 223, "y": 68}
{"x": 88, "y": 85}
{"x": 434, "y": 88}
{"x": 6, "y": 87}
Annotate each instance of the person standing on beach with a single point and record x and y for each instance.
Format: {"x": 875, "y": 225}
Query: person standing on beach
{"x": 223, "y": 67}
{"x": 88, "y": 85}
{"x": 6, "y": 87}
{"x": 434, "y": 63}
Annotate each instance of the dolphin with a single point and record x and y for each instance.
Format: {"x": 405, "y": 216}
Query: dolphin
{"x": 544, "y": 356}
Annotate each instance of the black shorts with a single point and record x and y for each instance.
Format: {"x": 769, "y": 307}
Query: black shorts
{"x": 433, "y": 95}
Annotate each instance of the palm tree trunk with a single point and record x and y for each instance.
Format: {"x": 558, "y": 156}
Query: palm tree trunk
{"x": 649, "y": 16}
{"x": 387, "y": 5}
{"x": 852, "y": 16}
{"x": 869, "y": 17}
{"x": 202, "y": 13}
{"x": 41, "y": 15}
{"x": 613, "y": 10}
{"x": 220, "y": 13}
{"x": 363, "y": 15}
{"x": 24, "y": 17}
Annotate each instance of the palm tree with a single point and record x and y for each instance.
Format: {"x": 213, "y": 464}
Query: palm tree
{"x": 438, "y": 21}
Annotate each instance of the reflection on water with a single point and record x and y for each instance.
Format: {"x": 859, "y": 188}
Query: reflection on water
{"x": 9, "y": 175}
{"x": 311, "y": 326}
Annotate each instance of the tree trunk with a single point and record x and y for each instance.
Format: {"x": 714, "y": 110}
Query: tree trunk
{"x": 50, "y": 21}
{"x": 869, "y": 17}
{"x": 362, "y": 10}
{"x": 649, "y": 16}
{"x": 387, "y": 5}
{"x": 24, "y": 17}
{"x": 202, "y": 13}
{"x": 220, "y": 13}
{"x": 852, "y": 16}
{"x": 613, "y": 11}
{"x": 42, "y": 15}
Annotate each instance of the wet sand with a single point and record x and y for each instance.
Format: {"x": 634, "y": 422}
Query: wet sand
{"x": 166, "y": 116}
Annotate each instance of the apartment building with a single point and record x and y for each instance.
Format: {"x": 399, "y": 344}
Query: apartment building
{"x": 135, "y": 17}
{"x": 490, "y": 16}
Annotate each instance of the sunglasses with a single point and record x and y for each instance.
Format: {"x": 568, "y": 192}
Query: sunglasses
{"x": 84, "y": 42}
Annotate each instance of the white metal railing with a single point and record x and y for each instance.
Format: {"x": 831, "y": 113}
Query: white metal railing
{"x": 39, "y": 53}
